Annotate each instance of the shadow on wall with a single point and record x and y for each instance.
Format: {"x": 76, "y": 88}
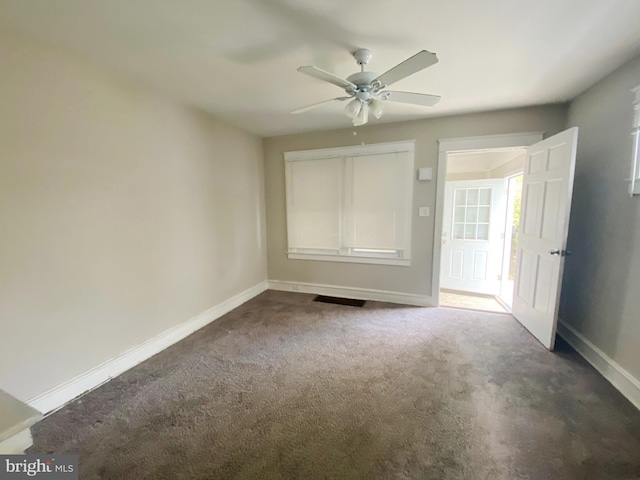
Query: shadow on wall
{"x": 592, "y": 286}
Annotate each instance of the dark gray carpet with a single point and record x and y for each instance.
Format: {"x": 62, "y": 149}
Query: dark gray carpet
{"x": 287, "y": 388}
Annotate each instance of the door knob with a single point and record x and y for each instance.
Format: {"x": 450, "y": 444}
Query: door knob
{"x": 563, "y": 253}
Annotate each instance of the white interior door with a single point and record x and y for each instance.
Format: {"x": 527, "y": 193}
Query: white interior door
{"x": 472, "y": 235}
{"x": 544, "y": 223}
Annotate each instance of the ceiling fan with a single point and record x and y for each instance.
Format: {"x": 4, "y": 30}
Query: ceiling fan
{"x": 367, "y": 89}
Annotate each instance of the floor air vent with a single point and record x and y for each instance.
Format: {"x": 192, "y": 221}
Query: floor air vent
{"x": 351, "y": 302}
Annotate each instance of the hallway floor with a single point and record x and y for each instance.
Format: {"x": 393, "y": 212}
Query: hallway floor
{"x": 470, "y": 301}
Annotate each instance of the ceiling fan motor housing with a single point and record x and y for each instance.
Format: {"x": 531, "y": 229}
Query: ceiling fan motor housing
{"x": 366, "y": 86}
{"x": 362, "y": 79}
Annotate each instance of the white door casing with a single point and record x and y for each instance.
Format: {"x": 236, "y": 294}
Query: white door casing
{"x": 472, "y": 235}
{"x": 544, "y": 224}
{"x": 465, "y": 144}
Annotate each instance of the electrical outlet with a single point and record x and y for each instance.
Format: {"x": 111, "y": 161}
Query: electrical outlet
{"x": 424, "y": 212}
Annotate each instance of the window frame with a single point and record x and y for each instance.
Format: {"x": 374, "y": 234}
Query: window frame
{"x": 398, "y": 257}
{"x": 477, "y": 222}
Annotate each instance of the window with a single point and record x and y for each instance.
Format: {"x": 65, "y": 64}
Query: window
{"x": 350, "y": 204}
{"x": 471, "y": 213}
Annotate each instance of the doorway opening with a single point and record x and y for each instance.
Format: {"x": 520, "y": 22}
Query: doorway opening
{"x": 479, "y": 228}
{"x": 547, "y": 187}
{"x": 512, "y": 222}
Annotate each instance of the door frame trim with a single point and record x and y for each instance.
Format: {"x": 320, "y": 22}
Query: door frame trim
{"x": 460, "y": 144}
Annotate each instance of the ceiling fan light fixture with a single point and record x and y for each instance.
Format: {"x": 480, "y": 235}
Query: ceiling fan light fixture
{"x": 377, "y": 108}
{"x": 362, "y": 117}
{"x": 353, "y": 108}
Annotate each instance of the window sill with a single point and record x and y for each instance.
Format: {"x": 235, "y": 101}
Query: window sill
{"x": 403, "y": 262}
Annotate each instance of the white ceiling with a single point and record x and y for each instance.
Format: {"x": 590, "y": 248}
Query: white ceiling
{"x": 480, "y": 161}
{"x": 238, "y": 58}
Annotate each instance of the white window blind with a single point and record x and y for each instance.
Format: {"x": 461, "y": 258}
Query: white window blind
{"x": 351, "y": 204}
{"x": 315, "y": 204}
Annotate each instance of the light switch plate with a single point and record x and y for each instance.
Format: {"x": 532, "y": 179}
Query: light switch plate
{"x": 424, "y": 211}
{"x": 424, "y": 173}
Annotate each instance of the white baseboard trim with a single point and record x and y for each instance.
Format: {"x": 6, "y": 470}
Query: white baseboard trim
{"x": 626, "y": 383}
{"x": 352, "y": 292}
{"x": 59, "y": 396}
{"x": 17, "y": 443}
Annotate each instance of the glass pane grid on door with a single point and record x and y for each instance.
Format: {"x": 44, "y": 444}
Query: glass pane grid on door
{"x": 471, "y": 213}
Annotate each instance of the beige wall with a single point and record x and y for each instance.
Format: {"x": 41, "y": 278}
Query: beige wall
{"x": 121, "y": 216}
{"x": 601, "y": 288}
{"x": 513, "y": 166}
{"x": 459, "y": 176}
{"x": 415, "y": 279}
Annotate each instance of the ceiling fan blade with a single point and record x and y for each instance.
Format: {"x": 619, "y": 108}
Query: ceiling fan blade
{"x": 413, "y": 98}
{"x": 319, "y": 104}
{"x": 419, "y": 61}
{"x": 325, "y": 76}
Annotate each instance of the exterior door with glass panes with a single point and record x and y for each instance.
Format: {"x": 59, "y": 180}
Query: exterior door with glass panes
{"x": 473, "y": 235}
